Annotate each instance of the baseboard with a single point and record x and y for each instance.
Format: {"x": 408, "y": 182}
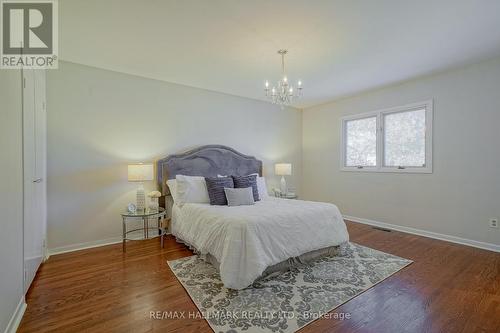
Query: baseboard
{"x": 82, "y": 246}
{"x": 46, "y": 255}
{"x": 425, "y": 233}
{"x": 15, "y": 320}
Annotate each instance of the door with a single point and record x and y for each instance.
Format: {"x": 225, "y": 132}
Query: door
{"x": 34, "y": 163}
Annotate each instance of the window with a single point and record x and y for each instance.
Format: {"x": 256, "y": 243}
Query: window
{"x": 404, "y": 138}
{"x": 393, "y": 140}
{"x": 361, "y": 142}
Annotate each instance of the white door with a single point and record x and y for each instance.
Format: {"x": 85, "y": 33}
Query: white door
{"x": 34, "y": 144}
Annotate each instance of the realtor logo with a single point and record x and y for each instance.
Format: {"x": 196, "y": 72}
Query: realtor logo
{"x": 29, "y": 34}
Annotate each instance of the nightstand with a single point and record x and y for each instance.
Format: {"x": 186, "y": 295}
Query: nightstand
{"x": 146, "y": 231}
{"x": 286, "y": 196}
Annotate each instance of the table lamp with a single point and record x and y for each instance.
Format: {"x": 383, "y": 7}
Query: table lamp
{"x": 140, "y": 173}
{"x": 283, "y": 169}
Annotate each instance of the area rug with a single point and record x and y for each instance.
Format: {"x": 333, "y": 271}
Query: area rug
{"x": 289, "y": 301}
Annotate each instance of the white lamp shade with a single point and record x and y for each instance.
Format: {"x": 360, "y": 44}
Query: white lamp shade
{"x": 283, "y": 169}
{"x": 140, "y": 172}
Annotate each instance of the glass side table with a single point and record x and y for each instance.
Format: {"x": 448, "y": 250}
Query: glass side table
{"x": 146, "y": 231}
{"x": 285, "y": 196}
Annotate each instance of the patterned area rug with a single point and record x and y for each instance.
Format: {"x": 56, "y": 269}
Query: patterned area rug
{"x": 287, "y": 302}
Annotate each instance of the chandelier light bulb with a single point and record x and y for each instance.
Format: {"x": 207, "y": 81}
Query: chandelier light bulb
{"x": 299, "y": 83}
{"x": 267, "y": 84}
{"x": 285, "y": 79}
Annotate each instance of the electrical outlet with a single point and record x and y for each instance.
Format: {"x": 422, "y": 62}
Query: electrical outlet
{"x": 493, "y": 223}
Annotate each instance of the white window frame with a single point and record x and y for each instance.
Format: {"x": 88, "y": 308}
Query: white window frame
{"x": 379, "y": 114}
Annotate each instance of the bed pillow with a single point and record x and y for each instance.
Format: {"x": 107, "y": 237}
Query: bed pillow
{"x": 247, "y": 181}
{"x": 172, "y": 185}
{"x": 215, "y": 188}
{"x": 191, "y": 189}
{"x": 262, "y": 188}
{"x": 239, "y": 196}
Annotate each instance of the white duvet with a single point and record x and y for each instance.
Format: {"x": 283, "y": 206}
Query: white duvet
{"x": 247, "y": 239}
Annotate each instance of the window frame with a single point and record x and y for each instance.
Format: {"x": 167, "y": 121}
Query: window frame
{"x": 379, "y": 114}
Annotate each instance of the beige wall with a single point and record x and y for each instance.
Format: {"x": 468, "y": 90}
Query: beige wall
{"x": 99, "y": 120}
{"x": 11, "y": 195}
{"x": 460, "y": 195}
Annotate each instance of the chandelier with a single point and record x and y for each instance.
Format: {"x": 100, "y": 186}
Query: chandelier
{"x": 283, "y": 93}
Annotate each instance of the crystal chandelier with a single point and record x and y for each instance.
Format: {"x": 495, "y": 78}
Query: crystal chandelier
{"x": 284, "y": 93}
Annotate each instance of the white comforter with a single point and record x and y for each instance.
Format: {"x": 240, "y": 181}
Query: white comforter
{"x": 247, "y": 239}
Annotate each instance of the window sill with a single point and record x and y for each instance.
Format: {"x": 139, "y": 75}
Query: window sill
{"x": 387, "y": 170}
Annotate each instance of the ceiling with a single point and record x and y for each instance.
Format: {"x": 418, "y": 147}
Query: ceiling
{"x": 337, "y": 48}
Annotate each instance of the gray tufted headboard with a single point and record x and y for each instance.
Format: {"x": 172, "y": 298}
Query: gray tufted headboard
{"x": 206, "y": 161}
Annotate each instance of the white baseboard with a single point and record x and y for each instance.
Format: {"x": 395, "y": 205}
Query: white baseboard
{"x": 82, "y": 246}
{"x": 46, "y": 255}
{"x": 425, "y": 233}
{"x": 15, "y": 320}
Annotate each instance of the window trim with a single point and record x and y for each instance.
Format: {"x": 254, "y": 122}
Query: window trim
{"x": 379, "y": 114}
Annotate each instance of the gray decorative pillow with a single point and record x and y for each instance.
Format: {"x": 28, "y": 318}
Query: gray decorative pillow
{"x": 247, "y": 181}
{"x": 239, "y": 196}
{"x": 215, "y": 187}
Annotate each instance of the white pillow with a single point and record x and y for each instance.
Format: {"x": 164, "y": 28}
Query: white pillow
{"x": 262, "y": 188}
{"x": 191, "y": 189}
{"x": 172, "y": 185}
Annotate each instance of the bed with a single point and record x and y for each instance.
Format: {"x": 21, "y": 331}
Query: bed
{"x": 246, "y": 243}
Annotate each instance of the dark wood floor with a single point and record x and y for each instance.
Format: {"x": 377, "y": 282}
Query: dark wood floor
{"x": 449, "y": 288}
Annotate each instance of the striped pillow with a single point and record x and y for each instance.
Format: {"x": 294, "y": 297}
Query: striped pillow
{"x": 247, "y": 181}
{"x": 215, "y": 187}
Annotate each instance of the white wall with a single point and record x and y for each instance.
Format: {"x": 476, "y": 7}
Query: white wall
{"x": 99, "y": 120}
{"x": 463, "y": 191}
{"x": 11, "y": 195}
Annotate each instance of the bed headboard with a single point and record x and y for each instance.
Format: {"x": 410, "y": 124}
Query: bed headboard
{"x": 206, "y": 161}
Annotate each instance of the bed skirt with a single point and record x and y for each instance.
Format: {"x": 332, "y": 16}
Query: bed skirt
{"x": 280, "y": 267}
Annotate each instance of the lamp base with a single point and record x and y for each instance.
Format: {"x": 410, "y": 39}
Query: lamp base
{"x": 141, "y": 198}
{"x": 283, "y": 187}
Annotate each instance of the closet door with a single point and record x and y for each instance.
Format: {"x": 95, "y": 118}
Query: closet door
{"x": 34, "y": 144}
{"x": 41, "y": 158}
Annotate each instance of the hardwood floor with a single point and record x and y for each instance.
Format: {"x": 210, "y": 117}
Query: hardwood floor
{"x": 448, "y": 288}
